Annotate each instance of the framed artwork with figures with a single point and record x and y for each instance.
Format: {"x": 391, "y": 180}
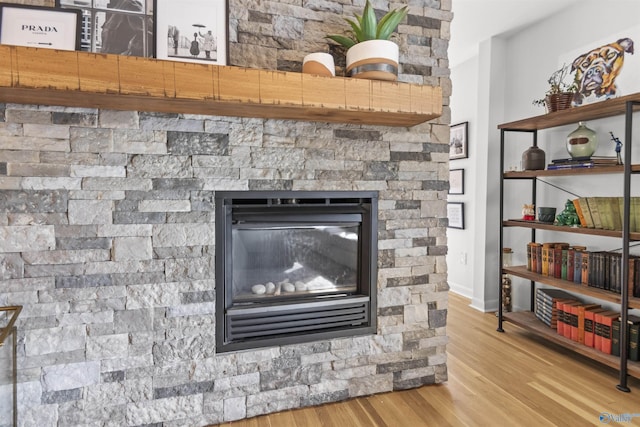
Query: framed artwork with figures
{"x": 458, "y": 141}
{"x": 192, "y": 31}
{"x": 121, "y": 27}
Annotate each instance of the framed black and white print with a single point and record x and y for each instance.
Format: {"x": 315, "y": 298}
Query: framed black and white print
{"x": 192, "y": 31}
{"x": 42, "y": 27}
{"x": 458, "y": 141}
{"x": 456, "y": 181}
{"x": 455, "y": 213}
{"x": 121, "y": 27}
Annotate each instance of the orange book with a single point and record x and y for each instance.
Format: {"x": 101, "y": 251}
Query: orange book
{"x": 560, "y": 311}
{"x": 589, "y": 326}
{"x": 583, "y": 222}
{"x": 598, "y": 326}
{"x": 571, "y": 310}
{"x": 565, "y": 330}
{"x": 581, "y": 319}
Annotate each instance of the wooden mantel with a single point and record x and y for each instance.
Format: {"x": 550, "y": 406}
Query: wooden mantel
{"x": 82, "y": 79}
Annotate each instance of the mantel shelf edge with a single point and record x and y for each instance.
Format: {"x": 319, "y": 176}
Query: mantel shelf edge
{"x": 82, "y": 79}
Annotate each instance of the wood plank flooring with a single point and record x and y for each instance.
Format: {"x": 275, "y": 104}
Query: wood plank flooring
{"x": 495, "y": 379}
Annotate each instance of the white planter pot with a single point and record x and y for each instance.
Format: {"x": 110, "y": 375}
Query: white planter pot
{"x": 374, "y": 60}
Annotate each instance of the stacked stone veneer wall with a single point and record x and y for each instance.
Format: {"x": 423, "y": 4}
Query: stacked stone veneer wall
{"x": 107, "y": 231}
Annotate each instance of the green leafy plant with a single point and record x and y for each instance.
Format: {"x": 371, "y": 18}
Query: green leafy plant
{"x": 367, "y": 26}
{"x": 557, "y": 84}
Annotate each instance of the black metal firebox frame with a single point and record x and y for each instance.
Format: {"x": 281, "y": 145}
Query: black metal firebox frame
{"x": 304, "y": 319}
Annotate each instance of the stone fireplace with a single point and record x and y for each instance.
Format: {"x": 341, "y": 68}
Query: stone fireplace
{"x": 294, "y": 267}
{"x": 108, "y": 241}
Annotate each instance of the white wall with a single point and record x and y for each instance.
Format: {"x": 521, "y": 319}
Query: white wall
{"x": 518, "y": 69}
{"x": 464, "y": 106}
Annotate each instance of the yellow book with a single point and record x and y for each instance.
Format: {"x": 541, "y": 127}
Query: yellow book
{"x": 584, "y": 206}
{"x": 546, "y": 247}
{"x": 595, "y": 214}
{"x": 604, "y": 209}
{"x": 616, "y": 216}
{"x": 634, "y": 214}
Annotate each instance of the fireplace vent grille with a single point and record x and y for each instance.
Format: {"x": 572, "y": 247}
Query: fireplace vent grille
{"x": 278, "y": 321}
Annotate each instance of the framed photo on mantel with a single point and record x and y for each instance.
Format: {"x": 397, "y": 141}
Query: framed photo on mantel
{"x": 192, "y": 31}
{"x": 41, "y": 27}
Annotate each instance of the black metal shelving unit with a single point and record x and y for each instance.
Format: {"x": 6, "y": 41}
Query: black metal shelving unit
{"x": 626, "y": 106}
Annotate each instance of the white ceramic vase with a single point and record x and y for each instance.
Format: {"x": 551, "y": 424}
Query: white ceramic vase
{"x": 319, "y": 63}
{"x": 374, "y": 60}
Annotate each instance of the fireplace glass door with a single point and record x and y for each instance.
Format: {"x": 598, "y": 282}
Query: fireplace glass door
{"x": 293, "y": 261}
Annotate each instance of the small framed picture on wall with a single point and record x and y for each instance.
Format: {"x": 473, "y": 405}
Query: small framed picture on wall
{"x": 455, "y": 213}
{"x": 458, "y": 141}
{"x": 192, "y": 31}
{"x": 456, "y": 181}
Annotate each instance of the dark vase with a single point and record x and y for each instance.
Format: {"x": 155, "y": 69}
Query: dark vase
{"x": 533, "y": 159}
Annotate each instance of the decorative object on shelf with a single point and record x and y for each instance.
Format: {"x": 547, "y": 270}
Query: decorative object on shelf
{"x": 456, "y": 181}
{"x": 370, "y": 53}
{"x": 533, "y": 159}
{"x": 319, "y": 63}
{"x": 618, "y": 147}
{"x": 455, "y": 214}
{"x": 560, "y": 93}
{"x": 192, "y": 31}
{"x": 597, "y": 70}
{"x": 546, "y": 214}
{"x": 49, "y": 28}
{"x": 582, "y": 142}
{"x": 528, "y": 212}
{"x": 458, "y": 141}
{"x": 506, "y": 280}
{"x": 568, "y": 216}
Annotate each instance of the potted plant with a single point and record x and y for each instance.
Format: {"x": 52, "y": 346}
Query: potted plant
{"x": 560, "y": 93}
{"x": 370, "y": 53}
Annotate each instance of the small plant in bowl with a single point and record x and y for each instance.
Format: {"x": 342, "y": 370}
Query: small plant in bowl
{"x": 560, "y": 93}
{"x": 370, "y": 52}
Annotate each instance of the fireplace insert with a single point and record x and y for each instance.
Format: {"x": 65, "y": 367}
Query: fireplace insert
{"x": 294, "y": 266}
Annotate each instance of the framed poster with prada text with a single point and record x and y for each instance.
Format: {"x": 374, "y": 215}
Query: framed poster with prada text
{"x": 41, "y": 27}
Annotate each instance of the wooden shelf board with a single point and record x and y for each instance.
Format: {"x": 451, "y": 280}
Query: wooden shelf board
{"x": 597, "y": 110}
{"x": 521, "y": 271}
{"x": 566, "y": 229}
{"x": 567, "y": 172}
{"x": 529, "y": 322}
{"x": 83, "y": 79}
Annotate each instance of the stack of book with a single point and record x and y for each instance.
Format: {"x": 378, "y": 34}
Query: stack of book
{"x": 586, "y": 323}
{"x": 581, "y": 162}
{"x": 596, "y": 327}
{"x": 606, "y": 213}
{"x": 546, "y": 305}
{"x": 596, "y": 269}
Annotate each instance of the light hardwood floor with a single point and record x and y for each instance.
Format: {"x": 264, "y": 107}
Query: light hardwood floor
{"x": 495, "y": 379}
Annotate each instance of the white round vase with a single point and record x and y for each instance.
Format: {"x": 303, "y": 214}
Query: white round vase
{"x": 374, "y": 60}
{"x": 319, "y": 63}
